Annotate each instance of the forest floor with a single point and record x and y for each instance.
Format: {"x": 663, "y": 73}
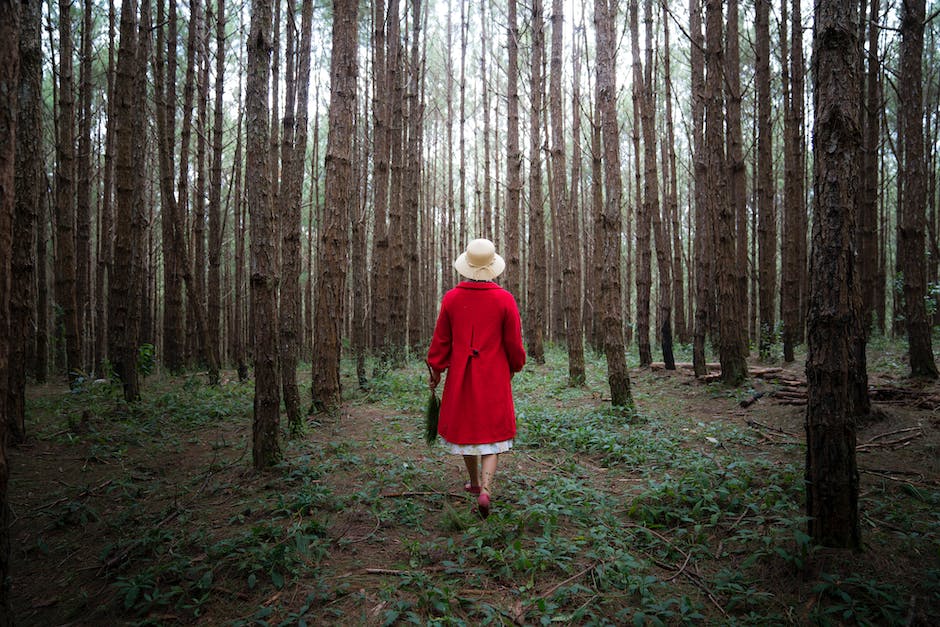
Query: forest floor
{"x": 690, "y": 511}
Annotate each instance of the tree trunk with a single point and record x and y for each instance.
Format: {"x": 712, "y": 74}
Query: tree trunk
{"x": 266, "y": 450}
{"x": 412, "y": 189}
{"x": 565, "y": 209}
{"x": 123, "y": 301}
{"x": 331, "y": 266}
{"x": 535, "y": 284}
{"x": 28, "y": 177}
{"x": 643, "y": 253}
{"x": 513, "y": 157}
{"x": 868, "y": 201}
{"x": 213, "y": 340}
{"x": 9, "y": 83}
{"x": 617, "y": 375}
{"x": 65, "y": 200}
{"x": 831, "y": 471}
{"x": 912, "y": 212}
{"x": 672, "y": 195}
{"x": 651, "y": 196}
{"x": 767, "y": 218}
{"x": 722, "y": 201}
{"x": 703, "y": 252}
{"x": 176, "y": 359}
{"x": 398, "y": 302}
{"x": 83, "y": 291}
{"x": 380, "y": 176}
{"x": 197, "y": 306}
{"x": 105, "y": 217}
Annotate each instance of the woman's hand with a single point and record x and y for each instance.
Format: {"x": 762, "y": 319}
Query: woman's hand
{"x": 434, "y": 379}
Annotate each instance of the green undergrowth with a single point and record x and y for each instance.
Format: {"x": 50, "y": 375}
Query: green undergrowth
{"x": 663, "y": 517}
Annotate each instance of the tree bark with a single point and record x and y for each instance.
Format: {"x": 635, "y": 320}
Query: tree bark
{"x": 672, "y": 194}
{"x": 124, "y": 303}
{"x": 65, "y": 200}
{"x": 380, "y": 176}
{"x": 83, "y": 291}
{"x": 213, "y": 339}
{"x": 912, "y": 212}
{"x": 617, "y": 375}
{"x": 513, "y": 156}
{"x": 9, "y": 83}
{"x": 764, "y": 178}
{"x": 565, "y": 209}
{"x": 721, "y": 205}
{"x": 26, "y": 188}
{"x": 331, "y": 266}
{"x": 266, "y": 450}
{"x": 868, "y": 252}
{"x": 535, "y": 253}
{"x": 703, "y": 252}
{"x": 831, "y": 470}
{"x": 643, "y": 253}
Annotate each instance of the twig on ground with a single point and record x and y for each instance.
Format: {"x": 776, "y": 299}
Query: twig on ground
{"x": 754, "y": 424}
{"x": 574, "y": 577}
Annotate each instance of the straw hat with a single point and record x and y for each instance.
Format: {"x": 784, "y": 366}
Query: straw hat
{"x": 480, "y": 262}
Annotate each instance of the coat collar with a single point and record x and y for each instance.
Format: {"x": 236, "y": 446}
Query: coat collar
{"x": 478, "y": 285}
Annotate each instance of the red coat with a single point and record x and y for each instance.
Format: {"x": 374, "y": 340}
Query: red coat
{"x": 478, "y": 340}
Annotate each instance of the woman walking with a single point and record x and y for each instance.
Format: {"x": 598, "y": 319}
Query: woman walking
{"x": 478, "y": 340}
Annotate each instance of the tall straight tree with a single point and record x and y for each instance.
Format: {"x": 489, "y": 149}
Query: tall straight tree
{"x": 702, "y": 219}
{"x": 671, "y": 204}
{"x": 83, "y": 161}
{"x": 831, "y": 470}
{"x": 9, "y": 79}
{"x": 65, "y": 199}
{"x": 643, "y": 253}
{"x": 290, "y": 331}
{"x": 331, "y": 261}
{"x": 513, "y": 155}
{"x": 535, "y": 253}
{"x": 564, "y": 209}
{"x": 767, "y": 218}
{"x": 123, "y": 302}
{"x": 868, "y": 203}
{"x": 380, "y": 178}
{"x": 266, "y": 449}
{"x": 720, "y": 204}
{"x": 213, "y": 338}
{"x": 654, "y": 209}
{"x": 29, "y": 174}
{"x": 617, "y": 375}
{"x": 912, "y": 212}
{"x": 737, "y": 177}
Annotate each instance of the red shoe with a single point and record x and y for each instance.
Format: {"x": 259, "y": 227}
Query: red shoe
{"x": 472, "y": 489}
{"x": 483, "y": 504}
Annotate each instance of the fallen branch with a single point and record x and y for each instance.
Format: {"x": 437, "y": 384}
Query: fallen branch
{"x": 574, "y": 577}
{"x": 755, "y": 425}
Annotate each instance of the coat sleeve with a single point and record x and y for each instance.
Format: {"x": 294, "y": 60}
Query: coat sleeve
{"x": 512, "y": 337}
{"x": 439, "y": 352}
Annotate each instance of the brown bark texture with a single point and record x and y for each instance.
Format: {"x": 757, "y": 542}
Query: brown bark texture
{"x": 535, "y": 306}
{"x": 912, "y": 212}
{"x": 380, "y": 176}
{"x": 214, "y": 286}
{"x": 123, "y": 302}
{"x": 617, "y": 375}
{"x": 868, "y": 199}
{"x": 702, "y": 241}
{"x": 9, "y": 83}
{"x": 831, "y": 470}
{"x": 266, "y": 449}
{"x": 331, "y": 270}
{"x": 28, "y": 176}
{"x": 565, "y": 209}
{"x": 513, "y": 156}
{"x": 65, "y": 200}
{"x": 764, "y": 178}
{"x": 643, "y": 253}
